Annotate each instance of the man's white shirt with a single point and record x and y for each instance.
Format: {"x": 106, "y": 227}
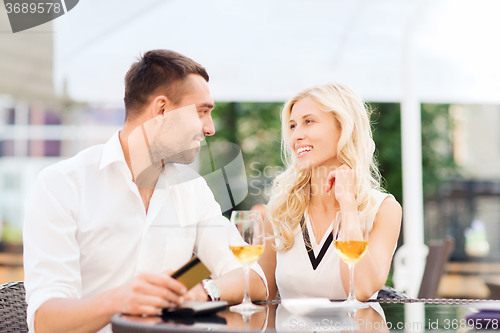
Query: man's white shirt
{"x": 86, "y": 229}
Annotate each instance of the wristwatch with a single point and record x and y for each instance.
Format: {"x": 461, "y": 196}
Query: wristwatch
{"x": 212, "y": 290}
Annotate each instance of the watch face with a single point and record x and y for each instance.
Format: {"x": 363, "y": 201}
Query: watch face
{"x": 212, "y": 289}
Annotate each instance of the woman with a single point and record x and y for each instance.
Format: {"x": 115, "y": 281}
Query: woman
{"x": 328, "y": 148}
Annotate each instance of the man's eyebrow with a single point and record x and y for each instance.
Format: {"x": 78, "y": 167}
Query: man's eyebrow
{"x": 205, "y": 105}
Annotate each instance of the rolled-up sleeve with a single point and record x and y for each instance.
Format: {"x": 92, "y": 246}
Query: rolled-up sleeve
{"x": 51, "y": 252}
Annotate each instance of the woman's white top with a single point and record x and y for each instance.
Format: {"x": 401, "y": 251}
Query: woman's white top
{"x": 295, "y": 275}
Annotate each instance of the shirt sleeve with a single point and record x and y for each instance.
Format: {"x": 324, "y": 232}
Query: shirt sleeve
{"x": 51, "y": 251}
{"x": 213, "y": 234}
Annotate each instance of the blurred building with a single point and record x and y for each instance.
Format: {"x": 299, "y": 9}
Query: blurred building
{"x": 477, "y": 140}
{"x": 475, "y": 195}
{"x": 37, "y": 126}
{"x": 26, "y": 98}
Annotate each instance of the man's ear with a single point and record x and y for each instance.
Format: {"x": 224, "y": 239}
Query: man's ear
{"x": 159, "y": 105}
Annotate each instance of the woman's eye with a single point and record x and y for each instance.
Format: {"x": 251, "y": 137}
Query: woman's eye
{"x": 308, "y": 121}
{"x": 292, "y": 127}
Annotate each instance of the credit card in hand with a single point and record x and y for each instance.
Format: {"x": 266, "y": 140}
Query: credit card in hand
{"x": 192, "y": 273}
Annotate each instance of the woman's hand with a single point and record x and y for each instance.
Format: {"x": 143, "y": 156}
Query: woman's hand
{"x": 344, "y": 180}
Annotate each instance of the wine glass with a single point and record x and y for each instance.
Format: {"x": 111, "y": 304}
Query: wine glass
{"x": 350, "y": 239}
{"x": 247, "y": 248}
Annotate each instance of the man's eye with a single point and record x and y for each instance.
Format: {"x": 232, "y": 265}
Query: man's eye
{"x": 308, "y": 121}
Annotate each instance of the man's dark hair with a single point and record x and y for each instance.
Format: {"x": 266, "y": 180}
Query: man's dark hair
{"x": 158, "y": 72}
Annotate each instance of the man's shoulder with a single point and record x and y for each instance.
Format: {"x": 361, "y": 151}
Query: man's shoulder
{"x": 87, "y": 157}
{"x": 66, "y": 176}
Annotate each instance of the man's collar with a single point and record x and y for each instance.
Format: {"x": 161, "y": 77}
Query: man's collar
{"x": 112, "y": 152}
{"x": 170, "y": 173}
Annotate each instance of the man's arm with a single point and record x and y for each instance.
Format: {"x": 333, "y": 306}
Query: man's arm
{"x": 212, "y": 247}
{"x": 146, "y": 294}
{"x": 52, "y": 268}
{"x": 231, "y": 286}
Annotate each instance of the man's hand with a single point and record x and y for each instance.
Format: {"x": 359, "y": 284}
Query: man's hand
{"x": 146, "y": 294}
{"x": 197, "y": 293}
{"x": 149, "y": 294}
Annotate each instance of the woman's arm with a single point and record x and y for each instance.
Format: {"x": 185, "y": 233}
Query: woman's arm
{"x": 371, "y": 271}
{"x": 268, "y": 261}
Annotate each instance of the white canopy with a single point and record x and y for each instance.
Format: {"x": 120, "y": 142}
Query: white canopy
{"x": 266, "y": 50}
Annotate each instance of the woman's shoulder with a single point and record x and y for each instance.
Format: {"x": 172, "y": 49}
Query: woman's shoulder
{"x": 387, "y": 204}
{"x": 382, "y": 197}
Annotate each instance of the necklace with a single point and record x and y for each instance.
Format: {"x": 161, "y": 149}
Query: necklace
{"x": 317, "y": 227}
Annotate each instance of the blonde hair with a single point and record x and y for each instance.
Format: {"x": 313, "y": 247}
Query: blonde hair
{"x": 291, "y": 189}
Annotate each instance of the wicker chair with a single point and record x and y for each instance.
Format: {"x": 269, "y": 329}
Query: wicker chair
{"x": 13, "y": 308}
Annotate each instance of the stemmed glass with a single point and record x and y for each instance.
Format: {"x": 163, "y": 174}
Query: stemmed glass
{"x": 350, "y": 239}
{"x": 247, "y": 249}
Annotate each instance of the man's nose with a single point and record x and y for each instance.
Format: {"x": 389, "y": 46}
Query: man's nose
{"x": 208, "y": 126}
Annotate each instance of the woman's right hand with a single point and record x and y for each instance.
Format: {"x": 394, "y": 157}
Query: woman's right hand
{"x": 343, "y": 180}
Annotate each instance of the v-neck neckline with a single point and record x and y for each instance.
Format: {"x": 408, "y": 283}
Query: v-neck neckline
{"x": 315, "y": 261}
{"x": 313, "y": 236}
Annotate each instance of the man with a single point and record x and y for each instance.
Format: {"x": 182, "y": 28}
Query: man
{"x": 98, "y": 242}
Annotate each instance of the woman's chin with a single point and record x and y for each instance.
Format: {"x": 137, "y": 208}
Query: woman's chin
{"x": 304, "y": 165}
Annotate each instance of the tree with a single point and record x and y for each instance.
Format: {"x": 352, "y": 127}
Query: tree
{"x": 255, "y": 128}
{"x": 438, "y": 164}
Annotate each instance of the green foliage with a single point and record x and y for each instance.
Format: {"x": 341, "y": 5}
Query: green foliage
{"x": 390, "y": 282}
{"x": 255, "y": 128}
{"x": 438, "y": 164}
{"x": 386, "y": 121}
{"x": 11, "y": 235}
{"x": 437, "y": 151}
